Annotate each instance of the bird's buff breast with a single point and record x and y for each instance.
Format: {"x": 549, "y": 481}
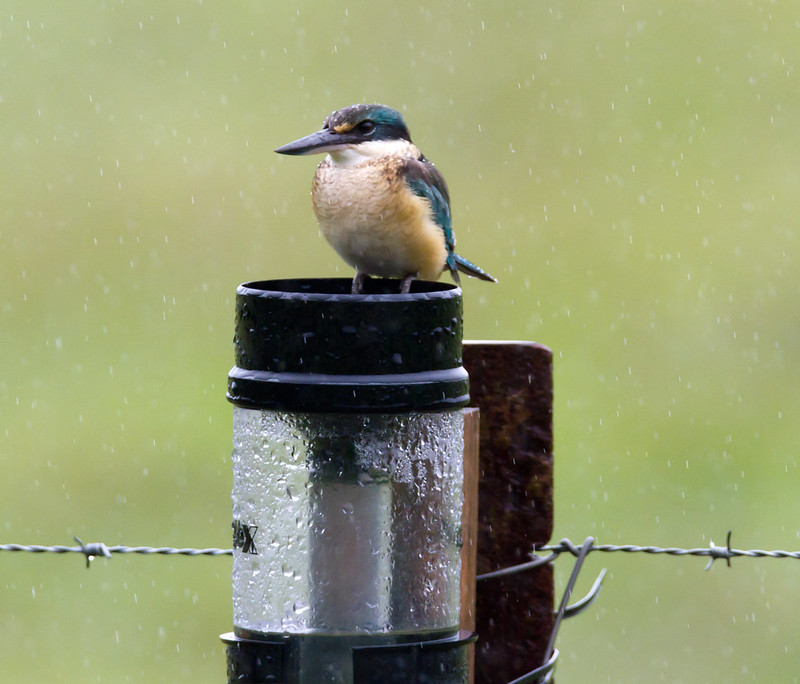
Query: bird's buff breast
{"x": 376, "y": 224}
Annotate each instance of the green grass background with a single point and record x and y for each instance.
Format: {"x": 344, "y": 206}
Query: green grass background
{"x": 630, "y": 172}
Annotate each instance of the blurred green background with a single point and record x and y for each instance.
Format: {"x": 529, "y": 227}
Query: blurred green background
{"x": 629, "y": 172}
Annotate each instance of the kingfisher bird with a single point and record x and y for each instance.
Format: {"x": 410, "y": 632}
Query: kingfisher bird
{"x": 379, "y": 202}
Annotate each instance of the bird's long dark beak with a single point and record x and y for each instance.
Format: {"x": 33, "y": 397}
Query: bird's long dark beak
{"x": 317, "y": 143}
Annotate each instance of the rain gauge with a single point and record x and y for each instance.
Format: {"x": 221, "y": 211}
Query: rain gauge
{"x": 347, "y": 484}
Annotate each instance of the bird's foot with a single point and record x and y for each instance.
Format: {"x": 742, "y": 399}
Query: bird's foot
{"x": 358, "y": 283}
{"x": 405, "y": 284}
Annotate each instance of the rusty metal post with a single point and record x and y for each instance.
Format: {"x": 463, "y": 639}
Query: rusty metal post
{"x": 512, "y": 385}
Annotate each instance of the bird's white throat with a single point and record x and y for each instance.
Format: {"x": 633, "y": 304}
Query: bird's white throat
{"x": 372, "y": 149}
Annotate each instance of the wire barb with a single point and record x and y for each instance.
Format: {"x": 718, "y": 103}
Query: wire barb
{"x": 720, "y": 552}
{"x": 92, "y": 550}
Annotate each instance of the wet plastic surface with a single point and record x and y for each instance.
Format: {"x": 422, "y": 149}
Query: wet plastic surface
{"x": 309, "y": 345}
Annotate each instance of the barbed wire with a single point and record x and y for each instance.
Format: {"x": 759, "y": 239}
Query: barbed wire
{"x": 99, "y": 549}
{"x": 542, "y": 674}
{"x": 553, "y": 551}
{"x": 712, "y": 551}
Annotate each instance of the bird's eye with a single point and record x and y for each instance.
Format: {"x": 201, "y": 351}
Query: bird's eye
{"x": 366, "y": 127}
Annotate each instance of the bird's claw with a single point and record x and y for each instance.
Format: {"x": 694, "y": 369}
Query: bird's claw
{"x": 405, "y": 284}
{"x": 358, "y": 283}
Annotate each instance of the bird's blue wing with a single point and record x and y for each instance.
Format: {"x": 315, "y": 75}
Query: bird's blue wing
{"x": 424, "y": 180}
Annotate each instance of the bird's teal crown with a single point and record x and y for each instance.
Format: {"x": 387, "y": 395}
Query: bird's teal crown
{"x": 373, "y": 121}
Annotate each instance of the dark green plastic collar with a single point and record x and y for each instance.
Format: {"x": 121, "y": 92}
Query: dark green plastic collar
{"x": 308, "y": 345}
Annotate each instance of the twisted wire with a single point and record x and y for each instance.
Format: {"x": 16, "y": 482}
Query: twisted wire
{"x": 714, "y": 552}
{"x": 541, "y": 674}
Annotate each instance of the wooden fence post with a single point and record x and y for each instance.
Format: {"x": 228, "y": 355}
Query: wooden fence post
{"x": 512, "y": 385}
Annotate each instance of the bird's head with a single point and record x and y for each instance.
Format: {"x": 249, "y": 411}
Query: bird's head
{"x": 350, "y": 127}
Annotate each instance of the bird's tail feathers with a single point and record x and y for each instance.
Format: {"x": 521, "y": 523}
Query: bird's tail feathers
{"x": 466, "y": 266}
